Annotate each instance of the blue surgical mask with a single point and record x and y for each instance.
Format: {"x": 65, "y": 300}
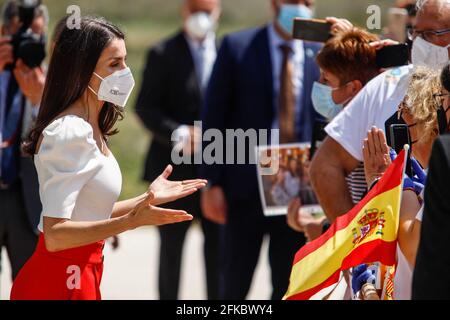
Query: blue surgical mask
{"x": 323, "y": 101}
{"x": 288, "y": 12}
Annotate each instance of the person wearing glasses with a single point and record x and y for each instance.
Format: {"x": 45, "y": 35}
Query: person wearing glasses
{"x": 376, "y": 105}
{"x": 419, "y": 110}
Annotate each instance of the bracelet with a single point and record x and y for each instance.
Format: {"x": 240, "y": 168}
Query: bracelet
{"x": 374, "y": 183}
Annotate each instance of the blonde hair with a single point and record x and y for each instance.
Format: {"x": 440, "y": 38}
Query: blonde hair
{"x": 421, "y": 103}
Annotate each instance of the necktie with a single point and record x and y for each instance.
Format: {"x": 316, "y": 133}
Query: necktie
{"x": 286, "y": 98}
{"x": 201, "y": 66}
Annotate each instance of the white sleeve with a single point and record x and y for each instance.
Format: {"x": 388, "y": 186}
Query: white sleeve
{"x": 70, "y": 158}
{"x": 372, "y": 106}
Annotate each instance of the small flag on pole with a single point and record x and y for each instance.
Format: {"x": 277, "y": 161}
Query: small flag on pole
{"x": 366, "y": 234}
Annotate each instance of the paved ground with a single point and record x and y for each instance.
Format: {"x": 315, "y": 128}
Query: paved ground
{"x": 131, "y": 272}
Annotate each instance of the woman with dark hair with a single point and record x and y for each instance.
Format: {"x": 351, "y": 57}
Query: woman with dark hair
{"x": 88, "y": 84}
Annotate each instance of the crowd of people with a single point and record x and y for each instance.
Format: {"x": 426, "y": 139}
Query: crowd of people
{"x": 59, "y": 182}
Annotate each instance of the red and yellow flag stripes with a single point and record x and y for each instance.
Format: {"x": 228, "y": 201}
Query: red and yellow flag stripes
{"x": 368, "y": 233}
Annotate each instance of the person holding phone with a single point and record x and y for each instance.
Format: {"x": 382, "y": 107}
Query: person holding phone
{"x": 419, "y": 111}
{"x": 375, "y": 104}
{"x": 88, "y": 85}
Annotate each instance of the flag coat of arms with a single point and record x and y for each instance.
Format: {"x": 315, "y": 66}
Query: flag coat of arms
{"x": 366, "y": 234}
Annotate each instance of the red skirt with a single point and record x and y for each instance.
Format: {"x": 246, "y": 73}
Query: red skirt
{"x": 73, "y": 274}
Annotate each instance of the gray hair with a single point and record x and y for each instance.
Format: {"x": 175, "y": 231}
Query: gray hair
{"x": 42, "y": 11}
{"x": 10, "y": 10}
{"x": 420, "y": 4}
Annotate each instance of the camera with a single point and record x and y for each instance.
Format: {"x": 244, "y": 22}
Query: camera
{"x": 28, "y": 46}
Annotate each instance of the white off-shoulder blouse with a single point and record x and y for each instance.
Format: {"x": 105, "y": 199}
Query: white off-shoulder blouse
{"x": 76, "y": 181}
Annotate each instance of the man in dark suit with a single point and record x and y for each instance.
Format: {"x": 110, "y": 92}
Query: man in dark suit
{"x": 169, "y": 102}
{"x": 20, "y": 94}
{"x": 262, "y": 79}
{"x": 431, "y": 273}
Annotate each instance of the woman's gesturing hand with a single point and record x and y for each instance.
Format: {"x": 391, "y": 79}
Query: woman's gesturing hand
{"x": 376, "y": 155}
{"x": 165, "y": 191}
{"x": 146, "y": 214}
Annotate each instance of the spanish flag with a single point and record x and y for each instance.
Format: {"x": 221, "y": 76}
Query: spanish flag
{"x": 366, "y": 234}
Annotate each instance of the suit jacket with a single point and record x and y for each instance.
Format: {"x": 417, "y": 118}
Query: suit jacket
{"x": 431, "y": 273}
{"x": 169, "y": 97}
{"x": 240, "y": 96}
{"x": 27, "y": 170}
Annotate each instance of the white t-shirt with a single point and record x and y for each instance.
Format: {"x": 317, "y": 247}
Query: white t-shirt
{"x": 76, "y": 181}
{"x": 372, "y": 106}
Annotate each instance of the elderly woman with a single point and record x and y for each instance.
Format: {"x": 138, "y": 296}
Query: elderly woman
{"x": 419, "y": 110}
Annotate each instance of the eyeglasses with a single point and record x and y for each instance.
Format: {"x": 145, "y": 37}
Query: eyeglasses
{"x": 440, "y": 96}
{"x": 426, "y": 35}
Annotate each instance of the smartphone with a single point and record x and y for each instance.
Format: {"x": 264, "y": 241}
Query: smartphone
{"x": 399, "y": 136}
{"x": 394, "y": 119}
{"x": 318, "y": 136}
{"x": 312, "y": 30}
{"x": 393, "y": 56}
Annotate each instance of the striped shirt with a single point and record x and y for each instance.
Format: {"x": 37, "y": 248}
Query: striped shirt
{"x": 356, "y": 181}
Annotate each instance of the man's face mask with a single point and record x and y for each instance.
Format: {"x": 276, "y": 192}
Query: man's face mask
{"x": 115, "y": 88}
{"x": 427, "y": 54}
{"x": 199, "y": 24}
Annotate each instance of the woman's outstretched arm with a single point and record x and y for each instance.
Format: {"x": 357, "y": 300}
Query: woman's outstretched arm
{"x": 61, "y": 234}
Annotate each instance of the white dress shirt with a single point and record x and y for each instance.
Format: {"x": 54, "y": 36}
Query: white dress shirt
{"x": 204, "y": 54}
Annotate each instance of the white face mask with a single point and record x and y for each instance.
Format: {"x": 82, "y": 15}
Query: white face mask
{"x": 199, "y": 24}
{"x": 115, "y": 88}
{"x": 430, "y": 55}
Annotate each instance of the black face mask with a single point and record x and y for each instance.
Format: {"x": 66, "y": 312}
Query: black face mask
{"x": 442, "y": 120}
